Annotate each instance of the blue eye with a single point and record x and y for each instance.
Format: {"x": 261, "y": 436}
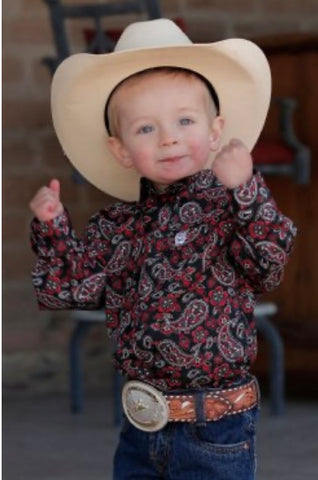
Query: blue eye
{"x": 185, "y": 121}
{"x": 145, "y": 129}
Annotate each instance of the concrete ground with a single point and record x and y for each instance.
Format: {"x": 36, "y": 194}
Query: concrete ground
{"x": 42, "y": 440}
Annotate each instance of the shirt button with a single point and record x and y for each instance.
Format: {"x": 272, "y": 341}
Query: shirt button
{"x": 180, "y": 238}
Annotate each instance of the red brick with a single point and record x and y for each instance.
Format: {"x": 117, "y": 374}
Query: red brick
{"x": 15, "y": 342}
{"x": 28, "y": 30}
{"x": 13, "y": 68}
{"x": 286, "y": 86}
{"x": 201, "y": 31}
{"x": 10, "y": 8}
{"x": 52, "y": 153}
{"x": 257, "y": 28}
{"x": 17, "y": 154}
{"x": 26, "y": 113}
{"x": 80, "y": 218}
{"x": 40, "y": 335}
{"x": 76, "y": 28}
{"x": 41, "y": 77}
{"x": 96, "y": 198}
{"x": 17, "y": 261}
{"x": 15, "y": 226}
{"x": 19, "y": 190}
{"x": 34, "y": 7}
{"x": 25, "y": 327}
{"x": 221, "y": 5}
{"x": 170, "y": 6}
{"x": 71, "y": 193}
{"x": 84, "y": 2}
{"x": 15, "y": 313}
{"x": 290, "y": 8}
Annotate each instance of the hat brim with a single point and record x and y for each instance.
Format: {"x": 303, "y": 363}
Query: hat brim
{"x": 237, "y": 69}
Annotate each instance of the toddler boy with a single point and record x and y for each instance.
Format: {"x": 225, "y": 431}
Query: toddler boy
{"x": 178, "y": 265}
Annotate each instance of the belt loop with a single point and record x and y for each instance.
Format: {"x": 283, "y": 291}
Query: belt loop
{"x": 199, "y": 400}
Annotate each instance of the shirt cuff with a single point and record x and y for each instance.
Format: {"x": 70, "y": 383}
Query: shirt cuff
{"x": 52, "y": 237}
{"x": 249, "y": 197}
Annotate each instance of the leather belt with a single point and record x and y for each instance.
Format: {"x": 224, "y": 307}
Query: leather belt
{"x": 150, "y": 410}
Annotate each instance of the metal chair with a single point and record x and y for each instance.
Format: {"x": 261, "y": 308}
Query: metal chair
{"x": 84, "y": 321}
{"x": 286, "y": 155}
{"x": 101, "y": 41}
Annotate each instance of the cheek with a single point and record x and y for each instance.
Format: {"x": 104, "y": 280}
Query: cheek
{"x": 135, "y": 147}
{"x": 142, "y": 152}
{"x": 142, "y": 156}
{"x": 200, "y": 147}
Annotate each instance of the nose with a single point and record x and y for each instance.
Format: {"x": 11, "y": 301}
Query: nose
{"x": 168, "y": 137}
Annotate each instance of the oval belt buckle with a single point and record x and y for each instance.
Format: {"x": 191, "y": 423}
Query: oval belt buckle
{"x": 145, "y": 407}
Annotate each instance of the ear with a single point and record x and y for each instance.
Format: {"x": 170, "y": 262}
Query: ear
{"x": 216, "y": 131}
{"x": 119, "y": 151}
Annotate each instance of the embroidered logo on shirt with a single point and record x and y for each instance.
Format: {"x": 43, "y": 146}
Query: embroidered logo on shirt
{"x": 180, "y": 238}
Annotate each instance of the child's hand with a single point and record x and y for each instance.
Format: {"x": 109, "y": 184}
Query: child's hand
{"x": 233, "y": 165}
{"x": 46, "y": 203}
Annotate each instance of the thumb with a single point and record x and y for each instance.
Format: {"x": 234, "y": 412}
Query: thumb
{"x": 54, "y": 185}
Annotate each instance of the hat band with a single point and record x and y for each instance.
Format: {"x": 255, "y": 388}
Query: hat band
{"x": 209, "y": 86}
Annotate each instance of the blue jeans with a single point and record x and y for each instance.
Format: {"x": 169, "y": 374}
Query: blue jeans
{"x": 221, "y": 450}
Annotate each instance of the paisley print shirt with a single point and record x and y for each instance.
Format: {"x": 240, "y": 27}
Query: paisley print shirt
{"x": 176, "y": 273}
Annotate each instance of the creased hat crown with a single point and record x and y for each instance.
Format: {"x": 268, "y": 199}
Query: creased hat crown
{"x": 156, "y": 33}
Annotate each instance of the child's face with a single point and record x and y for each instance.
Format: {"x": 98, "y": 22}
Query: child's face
{"x": 166, "y": 127}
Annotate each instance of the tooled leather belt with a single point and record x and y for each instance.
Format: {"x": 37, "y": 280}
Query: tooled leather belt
{"x": 149, "y": 409}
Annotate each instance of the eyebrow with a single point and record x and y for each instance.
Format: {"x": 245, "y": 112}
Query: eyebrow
{"x": 188, "y": 109}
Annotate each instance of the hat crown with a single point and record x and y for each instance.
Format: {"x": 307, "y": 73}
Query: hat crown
{"x": 151, "y": 34}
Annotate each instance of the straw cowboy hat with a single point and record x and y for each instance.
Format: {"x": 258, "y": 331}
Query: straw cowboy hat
{"x": 82, "y": 84}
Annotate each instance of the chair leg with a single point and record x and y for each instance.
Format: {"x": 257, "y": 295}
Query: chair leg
{"x": 76, "y": 366}
{"x": 277, "y": 376}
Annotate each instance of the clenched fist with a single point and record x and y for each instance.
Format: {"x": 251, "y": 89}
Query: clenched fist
{"x": 233, "y": 165}
{"x": 46, "y": 203}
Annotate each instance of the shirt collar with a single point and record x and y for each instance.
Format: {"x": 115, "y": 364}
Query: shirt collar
{"x": 199, "y": 181}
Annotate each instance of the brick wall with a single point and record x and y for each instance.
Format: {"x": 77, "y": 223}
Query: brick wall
{"x": 34, "y": 343}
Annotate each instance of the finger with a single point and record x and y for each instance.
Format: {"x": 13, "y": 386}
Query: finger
{"x": 54, "y": 185}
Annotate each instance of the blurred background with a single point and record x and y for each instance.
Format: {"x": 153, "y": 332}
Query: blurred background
{"x": 35, "y": 344}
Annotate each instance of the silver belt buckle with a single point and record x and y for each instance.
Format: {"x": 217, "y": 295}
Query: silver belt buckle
{"x": 145, "y": 407}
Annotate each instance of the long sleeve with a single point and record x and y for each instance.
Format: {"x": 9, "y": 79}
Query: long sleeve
{"x": 69, "y": 272}
{"x": 263, "y": 238}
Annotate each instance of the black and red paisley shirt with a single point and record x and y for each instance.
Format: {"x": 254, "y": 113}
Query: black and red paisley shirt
{"x": 176, "y": 273}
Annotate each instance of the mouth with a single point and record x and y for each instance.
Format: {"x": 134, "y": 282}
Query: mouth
{"x": 173, "y": 159}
